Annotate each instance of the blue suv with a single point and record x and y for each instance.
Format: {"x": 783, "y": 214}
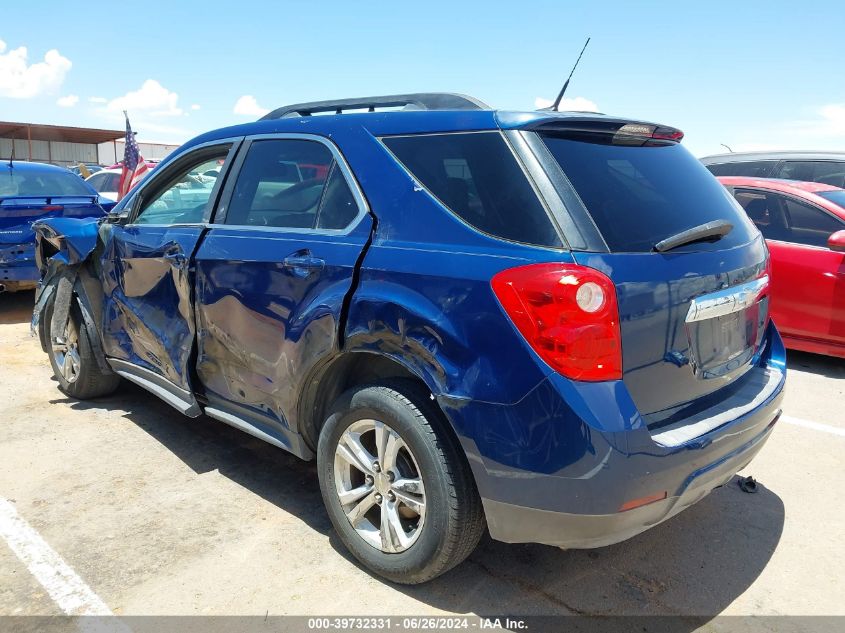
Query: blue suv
{"x": 552, "y": 326}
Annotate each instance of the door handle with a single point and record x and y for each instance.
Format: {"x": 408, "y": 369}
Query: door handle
{"x": 303, "y": 264}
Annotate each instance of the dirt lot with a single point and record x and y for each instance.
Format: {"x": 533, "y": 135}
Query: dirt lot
{"x": 160, "y": 514}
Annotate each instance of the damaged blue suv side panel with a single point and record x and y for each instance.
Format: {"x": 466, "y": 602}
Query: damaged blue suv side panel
{"x": 263, "y": 321}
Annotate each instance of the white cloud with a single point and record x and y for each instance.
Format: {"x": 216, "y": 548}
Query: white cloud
{"x": 828, "y": 122}
{"x": 98, "y": 100}
{"x": 248, "y": 106}
{"x": 151, "y": 98}
{"x": 20, "y": 80}
{"x": 195, "y": 106}
{"x": 578, "y": 104}
{"x": 67, "y": 102}
{"x": 819, "y": 128}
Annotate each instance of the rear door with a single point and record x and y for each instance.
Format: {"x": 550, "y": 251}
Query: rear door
{"x": 692, "y": 318}
{"x": 808, "y": 279}
{"x": 272, "y": 276}
{"x": 148, "y": 315}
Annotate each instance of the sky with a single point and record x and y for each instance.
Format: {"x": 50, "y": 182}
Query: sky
{"x": 750, "y": 75}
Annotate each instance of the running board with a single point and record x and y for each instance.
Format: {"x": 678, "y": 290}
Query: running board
{"x": 297, "y": 448}
{"x": 181, "y": 400}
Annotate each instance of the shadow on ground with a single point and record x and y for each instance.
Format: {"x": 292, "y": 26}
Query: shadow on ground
{"x": 16, "y": 307}
{"x": 697, "y": 563}
{"x": 828, "y": 366}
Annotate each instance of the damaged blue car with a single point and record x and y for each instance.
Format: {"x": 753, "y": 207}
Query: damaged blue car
{"x": 551, "y": 326}
{"x": 29, "y": 192}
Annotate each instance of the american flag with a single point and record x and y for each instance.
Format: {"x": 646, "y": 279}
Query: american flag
{"x": 134, "y": 165}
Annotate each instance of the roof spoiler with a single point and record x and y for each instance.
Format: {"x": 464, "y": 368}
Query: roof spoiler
{"x": 418, "y": 100}
{"x": 622, "y": 131}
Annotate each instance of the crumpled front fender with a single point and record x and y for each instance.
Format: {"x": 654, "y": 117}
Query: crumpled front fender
{"x": 72, "y": 239}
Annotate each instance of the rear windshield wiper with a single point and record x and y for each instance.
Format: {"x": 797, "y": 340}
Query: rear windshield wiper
{"x": 707, "y": 232}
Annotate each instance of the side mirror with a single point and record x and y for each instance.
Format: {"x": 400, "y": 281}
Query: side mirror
{"x": 836, "y": 242}
{"x": 117, "y": 217}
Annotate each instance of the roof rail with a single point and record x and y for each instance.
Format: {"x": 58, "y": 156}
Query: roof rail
{"x": 420, "y": 100}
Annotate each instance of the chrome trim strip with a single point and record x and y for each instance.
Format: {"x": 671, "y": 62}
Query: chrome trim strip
{"x": 726, "y": 301}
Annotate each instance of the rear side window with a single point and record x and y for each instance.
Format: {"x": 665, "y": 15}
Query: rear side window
{"x": 640, "y": 195}
{"x": 477, "y": 177}
{"x": 291, "y": 183}
{"x": 826, "y": 171}
{"x": 751, "y": 168}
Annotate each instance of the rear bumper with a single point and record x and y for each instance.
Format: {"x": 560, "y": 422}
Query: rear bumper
{"x": 17, "y": 263}
{"x": 560, "y": 466}
{"x": 520, "y": 524}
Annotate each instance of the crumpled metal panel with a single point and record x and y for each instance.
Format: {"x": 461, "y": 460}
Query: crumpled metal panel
{"x": 264, "y": 324}
{"x": 147, "y": 312}
{"x": 75, "y": 238}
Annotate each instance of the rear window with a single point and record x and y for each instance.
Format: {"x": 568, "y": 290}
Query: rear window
{"x": 477, "y": 177}
{"x": 640, "y": 195}
{"x": 46, "y": 183}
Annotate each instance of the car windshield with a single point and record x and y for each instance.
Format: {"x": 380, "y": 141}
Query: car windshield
{"x": 640, "y": 195}
{"x": 41, "y": 183}
{"x": 837, "y": 196}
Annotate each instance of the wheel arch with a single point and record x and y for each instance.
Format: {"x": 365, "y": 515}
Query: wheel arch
{"x": 349, "y": 369}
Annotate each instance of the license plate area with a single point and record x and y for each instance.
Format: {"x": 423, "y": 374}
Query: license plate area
{"x": 725, "y": 328}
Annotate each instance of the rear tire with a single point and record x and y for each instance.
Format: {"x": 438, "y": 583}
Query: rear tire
{"x": 72, "y": 358}
{"x": 424, "y": 514}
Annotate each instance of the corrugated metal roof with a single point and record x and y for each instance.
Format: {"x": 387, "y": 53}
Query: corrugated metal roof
{"x": 39, "y": 132}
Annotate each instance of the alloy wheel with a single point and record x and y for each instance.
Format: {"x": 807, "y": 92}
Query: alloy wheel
{"x": 379, "y": 485}
{"x": 66, "y": 351}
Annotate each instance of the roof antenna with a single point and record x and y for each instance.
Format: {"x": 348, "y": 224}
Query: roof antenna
{"x": 555, "y": 105}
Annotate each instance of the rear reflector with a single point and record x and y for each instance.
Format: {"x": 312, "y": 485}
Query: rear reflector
{"x": 52, "y": 207}
{"x": 642, "y": 501}
{"x": 568, "y": 315}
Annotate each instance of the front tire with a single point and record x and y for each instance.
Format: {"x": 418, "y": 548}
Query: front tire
{"x": 396, "y": 484}
{"x": 72, "y": 358}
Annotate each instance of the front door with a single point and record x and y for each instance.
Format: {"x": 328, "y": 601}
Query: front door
{"x": 808, "y": 279}
{"x": 272, "y": 275}
{"x": 148, "y": 316}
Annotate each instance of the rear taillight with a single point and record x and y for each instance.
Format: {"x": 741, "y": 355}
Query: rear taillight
{"x": 568, "y": 314}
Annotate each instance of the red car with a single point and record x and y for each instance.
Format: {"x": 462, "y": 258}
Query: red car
{"x": 804, "y": 227}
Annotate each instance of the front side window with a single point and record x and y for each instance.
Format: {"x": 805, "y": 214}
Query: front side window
{"x": 810, "y": 225}
{"x": 185, "y": 193}
{"x": 785, "y": 219}
{"x": 476, "y": 176}
{"x": 291, "y": 183}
